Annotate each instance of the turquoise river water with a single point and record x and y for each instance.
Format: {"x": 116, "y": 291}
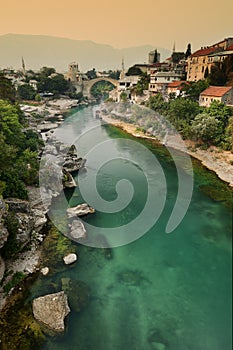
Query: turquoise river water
{"x": 163, "y": 291}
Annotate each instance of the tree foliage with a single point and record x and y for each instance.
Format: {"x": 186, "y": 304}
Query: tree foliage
{"x": 193, "y": 89}
{"x": 26, "y": 92}
{"x": 7, "y": 91}
{"x": 205, "y": 127}
{"x": 18, "y": 156}
{"x": 142, "y": 84}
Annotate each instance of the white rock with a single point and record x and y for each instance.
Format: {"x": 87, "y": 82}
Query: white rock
{"x": 70, "y": 258}
{"x": 44, "y": 271}
{"x": 80, "y": 210}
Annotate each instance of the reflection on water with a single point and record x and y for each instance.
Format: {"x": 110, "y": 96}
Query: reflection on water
{"x": 162, "y": 292}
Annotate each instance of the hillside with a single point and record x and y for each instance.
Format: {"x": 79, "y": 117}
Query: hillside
{"x": 39, "y": 51}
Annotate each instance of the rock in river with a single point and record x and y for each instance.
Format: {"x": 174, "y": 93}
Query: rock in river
{"x": 51, "y": 310}
{"x": 77, "y": 230}
{"x": 70, "y": 259}
{"x": 80, "y": 210}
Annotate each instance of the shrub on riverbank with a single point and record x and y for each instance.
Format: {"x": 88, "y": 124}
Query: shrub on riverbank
{"x": 18, "y": 158}
{"x": 212, "y": 125}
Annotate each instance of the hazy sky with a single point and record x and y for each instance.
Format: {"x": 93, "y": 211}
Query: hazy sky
{"x": 122, "y": 23}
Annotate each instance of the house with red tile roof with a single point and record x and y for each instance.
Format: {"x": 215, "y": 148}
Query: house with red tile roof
{"x": 201, "y": 61}
{"x": 222, "y": 94}
{"x": 176, "y": 87}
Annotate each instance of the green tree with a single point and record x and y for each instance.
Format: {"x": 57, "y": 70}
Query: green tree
{"x": 7, "y": 91}
{"x": 114, "y": 74}
{"x": 206, "y": 127}
{"x": 9, "y": 122}
{"x": 157, "y": 103}
{"x": 58, "y": 84}
{"x": 220, "y": 111}
{"x": 181, "y": 108}
{"x": 193, "y": 89}
{"x": 91, "y": 74}
{"x": 47, "y": 71}
{"x": 142, "y": 84}
{"x": 26, "y": 92}
{"x": 123, "y": 96}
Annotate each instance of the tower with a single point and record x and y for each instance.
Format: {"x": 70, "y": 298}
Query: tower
{"x": 122, "y": 75}
{"x": 154, "y": 57}
{"x": 174, "y": 47}
{"x": 73, "y": 73}
{"x": 23, "y": 67}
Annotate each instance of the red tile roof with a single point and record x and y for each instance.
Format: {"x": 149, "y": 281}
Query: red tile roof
{"x": 177, "y": 84}
{"x": 204, "y": 52}
{"x": 216, "y": 91}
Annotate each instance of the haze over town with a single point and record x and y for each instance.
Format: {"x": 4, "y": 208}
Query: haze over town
{"x": 122, "y": 24}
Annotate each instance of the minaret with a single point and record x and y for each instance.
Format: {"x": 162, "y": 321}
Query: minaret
{"x": 23, "y": 67}
{"x": 122, "y": 75}
{"x": 174, "y": 47}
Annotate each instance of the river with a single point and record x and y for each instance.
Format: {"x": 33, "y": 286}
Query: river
{"x": 162, "y": 291}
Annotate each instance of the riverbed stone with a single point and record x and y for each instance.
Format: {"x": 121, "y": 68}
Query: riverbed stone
{"x": 44, "y": 271}
{"x": 70, "y": 259}
{"x": 51, "y": 310}
{"x": 77, "y": 230}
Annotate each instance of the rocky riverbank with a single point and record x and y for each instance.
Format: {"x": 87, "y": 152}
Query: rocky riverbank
{"x": 219, "y": 161}
{"x": 26, "y": 219}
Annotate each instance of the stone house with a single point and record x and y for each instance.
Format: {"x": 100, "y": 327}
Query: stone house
{"x": 203, "y": 59}
{"x": 222, "y": 94}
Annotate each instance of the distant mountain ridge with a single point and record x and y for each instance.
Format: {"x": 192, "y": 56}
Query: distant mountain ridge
{"x": 41, "y": 50}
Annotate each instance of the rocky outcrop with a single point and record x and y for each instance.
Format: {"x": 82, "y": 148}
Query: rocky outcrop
{"x": 80, "y": 210}
{"x": 70, "y": 259}
{"x": 20, "y": 212}
{"x": 72, "y": 162}
{"x": 68, "y": 180}
{"x": 47, "y": 126}
{"x": 51, "y": 310}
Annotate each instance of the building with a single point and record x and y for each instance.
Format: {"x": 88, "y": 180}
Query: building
{"x": 160, "y": 80}
{"x": 33, "y": 84}
{"x": 176, "y": 87}
{"x": 222, "y": 94}
{"x": 153, "y": 57}
{"x": 126, "y": 85}
{"x": 200, "y": 62}
{"x": 73, "y": 73}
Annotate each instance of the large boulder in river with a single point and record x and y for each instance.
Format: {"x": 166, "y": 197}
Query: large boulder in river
{"x": 51, "y": 310}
